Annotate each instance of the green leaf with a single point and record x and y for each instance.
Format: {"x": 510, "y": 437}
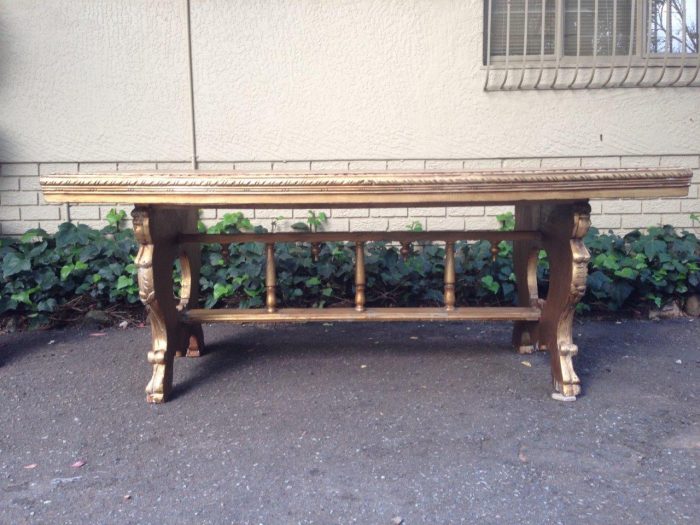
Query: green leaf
{"x": 313, "y": 281}
{"x": 490, "y": 284}
{"x": 627, "y": 273}
{"x": 222, "y": 290}
{"x": 66, "y": 271}
{"x": 14, "y": 263}
{"x": 124, "y": 281}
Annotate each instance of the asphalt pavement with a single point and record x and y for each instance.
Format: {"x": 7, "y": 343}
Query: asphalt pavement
{"x": 352, "y": 423}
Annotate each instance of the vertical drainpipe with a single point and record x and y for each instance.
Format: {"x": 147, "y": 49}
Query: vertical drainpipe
{"x": 191, "y": 85}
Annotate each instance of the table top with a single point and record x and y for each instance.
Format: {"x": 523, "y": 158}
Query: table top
{"x": 361, "y": 189}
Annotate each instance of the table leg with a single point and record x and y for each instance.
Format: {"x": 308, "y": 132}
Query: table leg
{"x": 156, "y": 231}
{"x": 190, "y": 263}
{"x": 563, "y": 227}
{"x": 525, "y": 258}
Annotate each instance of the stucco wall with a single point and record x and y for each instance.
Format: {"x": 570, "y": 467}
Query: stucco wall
{"x": 101, "y": 84}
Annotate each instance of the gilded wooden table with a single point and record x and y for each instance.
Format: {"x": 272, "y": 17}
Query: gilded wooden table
{"x": 551, "y": 213}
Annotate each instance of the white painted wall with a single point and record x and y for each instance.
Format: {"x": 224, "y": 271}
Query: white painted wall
{"x": 92, "y": 80}
{"x": 308, "y": 84}
{"x": 96, "y": 80}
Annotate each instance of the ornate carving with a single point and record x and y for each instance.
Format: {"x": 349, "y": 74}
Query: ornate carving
{"x": 564, "y": 229}
{"x": 160, "y": 384}
{"x": 161, "y": 187}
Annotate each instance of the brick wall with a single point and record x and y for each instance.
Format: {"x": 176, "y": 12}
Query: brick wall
{"x": 22, "y": 206}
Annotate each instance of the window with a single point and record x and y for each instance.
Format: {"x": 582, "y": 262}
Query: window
{"x": 581, "y": 34}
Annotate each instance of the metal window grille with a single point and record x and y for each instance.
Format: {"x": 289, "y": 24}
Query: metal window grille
{"x": 590, "y": 44}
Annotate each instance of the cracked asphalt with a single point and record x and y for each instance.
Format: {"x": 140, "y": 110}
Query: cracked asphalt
{"x": 352, "y": 423}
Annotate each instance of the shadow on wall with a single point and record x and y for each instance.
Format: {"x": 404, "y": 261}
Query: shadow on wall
{"x": 4, "y": 79}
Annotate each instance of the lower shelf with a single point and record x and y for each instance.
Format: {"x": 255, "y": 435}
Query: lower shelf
{"x": 301, "y": 315}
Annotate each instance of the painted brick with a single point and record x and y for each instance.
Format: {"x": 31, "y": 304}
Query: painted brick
{"x": 492, "y": 211}
{"x": 52, "y": 226}
{"x": 17, "y": 227}
{"x": 690, "y": 206}
{"x": 57, "y": 167}
{"x": 9, "y": 213}
{"x": 207, "y": 213}
{"x": 640, "y": 221}
{"x": 481, "y": 223}
{"x": 174, "y": 166}
{"x": 642, "y": 161}
{"x": 527, "y": 163}
{"x": 267, "y": 223}
{"x": 367, "y": 165}
{"x": 19, "y": 170}
{"x": 402, "y": 224}
{"x": 561, "y": 162}
{"x": 596, "y": 207}
{"x": 369, "y": 224}
{"x": 336, "y": 225}
{"x": 679, "y": 220}
{"x": 681, "y": 161}
{"x": 426, "y": 212}
{"x": 96, "y": 167}
{"x": 465, "y": 211}
{"x": 215, "y": 166}
{"x": 600, "y": 162}
{"x": 329, "y": 165}
{"x": 39, "y": 213}
{"x": 272, "y": 213}
{"x": 303, "y": 213}
{"x": 448, "y": 164}
{"x": 388, "y": 212}
{"x": 606, "y": 222}
{"x": 29, "y": 184}
{"x": 80, "y": 213}
{"x": 9, "y": 183}
{"x": 482, "y": 164}
{"x": 350, "y": 212}
{"x": 291, "y": 166}
{"x": 661, "y": 206}
{"x": 19, "y": 198}
{"x": 136, "y": 166}
{"x": 445, "y": 223}
{"x": 622, "y": 206}
{"x": 407, "y": 165}
{"x": 253, "y": 166}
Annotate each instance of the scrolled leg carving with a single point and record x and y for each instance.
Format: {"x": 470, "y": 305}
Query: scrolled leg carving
{"x": 564, "y": 227}
{"x": 156, "y": 232}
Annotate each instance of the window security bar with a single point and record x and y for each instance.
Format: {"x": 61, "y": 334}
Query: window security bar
{"x": 590, "y": 44}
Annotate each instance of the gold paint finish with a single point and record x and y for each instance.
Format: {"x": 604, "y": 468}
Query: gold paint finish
{"x": 360, "y": 279}
{"x": 551, "y": 213}
{"x": 450, "y": 277}
{"x": 350, "y": 189}
{"x": 270, "y": 279}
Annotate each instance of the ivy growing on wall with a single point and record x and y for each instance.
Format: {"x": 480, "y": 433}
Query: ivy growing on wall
{"x": 45, "y": 275}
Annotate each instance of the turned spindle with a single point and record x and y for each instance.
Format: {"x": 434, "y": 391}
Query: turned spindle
{"x": 405, "y": 250}
{"x": 315, "y": 251}
{"x": 225, "y": 253}
{"x": 450, "y": 275}
{"x": 270, "y": 279}
{"x": 495, "y": 250}
{"x": 360, "y": 276}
